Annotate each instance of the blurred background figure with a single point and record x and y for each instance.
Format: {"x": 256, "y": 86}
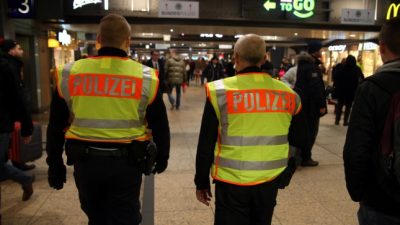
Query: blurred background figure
{"x": 176, "y": 75}
{"x": 345, "y": 82}
{"x": 213, "y": 71}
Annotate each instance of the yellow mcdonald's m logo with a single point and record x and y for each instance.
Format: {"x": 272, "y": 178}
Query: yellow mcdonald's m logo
{"x": 392, "y": 8}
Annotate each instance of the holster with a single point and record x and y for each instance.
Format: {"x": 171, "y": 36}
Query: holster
{"x": 150, "y": 158}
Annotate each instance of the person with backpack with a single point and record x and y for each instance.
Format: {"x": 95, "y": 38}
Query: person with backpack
{"x": 370, "y": 173}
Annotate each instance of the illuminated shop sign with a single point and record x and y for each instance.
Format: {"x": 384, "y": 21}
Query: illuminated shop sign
{"x": 337, "y": 48}
{"x": 367, "y": 46}
{"x": 80, "y": 3}
{"x": 300, "y": 8}
{"x": 392, "y": 11}
{"x": 64, "y": 38}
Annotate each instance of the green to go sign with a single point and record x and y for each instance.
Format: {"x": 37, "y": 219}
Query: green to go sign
{"x": 301, "y": 8}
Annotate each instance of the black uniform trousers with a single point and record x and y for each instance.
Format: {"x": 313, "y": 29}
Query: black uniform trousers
{"x": 109, "y": 189}
{"x": 312, "y": 132}
{"x": 244, "y": 205}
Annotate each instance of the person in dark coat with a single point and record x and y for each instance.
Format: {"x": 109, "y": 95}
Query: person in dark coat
{"x": 13, "y": 55}
{"x": 379, "y": 198}
{"x": 12, "y": 108}
{"x": 214, "y": 70}
{"x": 158, "y": 64}
{"x": 345, "y": 81}
{"x": 310, "y": 86}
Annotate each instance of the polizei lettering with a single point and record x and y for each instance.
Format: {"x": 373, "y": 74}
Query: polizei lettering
{"x": 256, "y": 101}
{"x": 115, "y": 86}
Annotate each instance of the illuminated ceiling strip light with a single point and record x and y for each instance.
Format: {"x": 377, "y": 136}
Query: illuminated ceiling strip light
{"x": 105, "y": 4}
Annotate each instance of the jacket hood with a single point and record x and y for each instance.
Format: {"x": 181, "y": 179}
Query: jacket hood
{"x": 304, "y": 56}
{"x": 393, "y": 66}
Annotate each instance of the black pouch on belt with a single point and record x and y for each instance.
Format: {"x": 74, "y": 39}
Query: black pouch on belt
{"x": 137, "y": 153}
{"x": 75, "y": 152}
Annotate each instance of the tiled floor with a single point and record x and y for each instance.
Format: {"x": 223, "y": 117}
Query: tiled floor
{"x": 316, "y": 196}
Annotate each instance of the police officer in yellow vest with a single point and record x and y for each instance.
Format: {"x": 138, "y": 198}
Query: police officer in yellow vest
{"x": 102, "y": 107}
{"x": 244, "y": 139}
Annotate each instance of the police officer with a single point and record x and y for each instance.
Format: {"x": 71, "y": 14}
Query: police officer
{"x": 244, "y": 139}
{"x": 102, "y": 107}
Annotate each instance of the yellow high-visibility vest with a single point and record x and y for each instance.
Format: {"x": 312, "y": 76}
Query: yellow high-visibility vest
{"x": 107, "y": 97}
{"x": 254, "y": 113}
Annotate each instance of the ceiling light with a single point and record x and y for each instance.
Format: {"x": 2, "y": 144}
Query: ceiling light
{"x": 182, "y": 34}
{"x": 352, "y": 35}
{"x": 182, "y": 44}
{"x": 238, "y": 35}
{"x": 296, "y": 34}
{"x": 174, "y": 44}
{"x": 147, "y": 46}
{"x": 219, "y": 35}
{"x": 172, "y": 30}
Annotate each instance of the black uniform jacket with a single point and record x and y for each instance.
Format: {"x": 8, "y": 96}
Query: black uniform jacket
{"x": 156, "y": 116}
{"x": 12, "y": 104}
{"x": 208, "y": 138}
{"x": 367, "y": 120}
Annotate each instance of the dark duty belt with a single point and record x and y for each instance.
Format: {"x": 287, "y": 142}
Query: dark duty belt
{"x": 107, "y": 152}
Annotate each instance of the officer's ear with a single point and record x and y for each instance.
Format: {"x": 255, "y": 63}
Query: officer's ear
{"x": 98, "y": 40}
{"x": 127, "y": 43}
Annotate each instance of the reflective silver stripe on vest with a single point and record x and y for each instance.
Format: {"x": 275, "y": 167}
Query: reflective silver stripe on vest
{"x": 223, "y": 107}
{"x": 254, "y": 140}
{"x": 105, "y": 139}
{"x": 298, "y": 102}
{"x": 145, "y": 97}
{"x": 106, "y": 124}
{"x": 251, "y": 165}
{"x": 64, "y": 84}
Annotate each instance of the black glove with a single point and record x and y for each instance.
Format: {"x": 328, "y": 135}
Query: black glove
{"x": 160, "y": 166}
{"x": 57, "y": 176}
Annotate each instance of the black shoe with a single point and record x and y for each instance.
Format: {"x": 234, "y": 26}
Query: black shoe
{"x": 28, "y": 190}
{"x": 309, "y": 163}
{"x": 23, "y": 166}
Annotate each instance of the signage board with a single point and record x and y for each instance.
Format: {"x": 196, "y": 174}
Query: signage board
{"x": 357, "y": 16}
{"x": 178, "y": 9}
{"x": 162, "y": 46}
{"x": 20, "y": 8}
{"x": 337, "y": 48}
{"x": 392, "y": 11}
{"x": 64, "y": 38}
{"x": 300, "y": 8}
{"x": 80, "y": 3}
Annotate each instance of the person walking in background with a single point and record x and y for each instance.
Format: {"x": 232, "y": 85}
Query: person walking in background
{"x": 156, "y": 63}
{"x": 245, "y": 141}
{"x": 13, "y": 108}
{"x": 213, "y": 71}
{"x": 230, "y": 68}
{"x": 175, "y": 70}
{"x": 105, "y": 127}
{"x": 310, "y": 86}
{"x": 13, "y": 54}
{"x": 377, "y": 192}
{"x": 345, "y": 81}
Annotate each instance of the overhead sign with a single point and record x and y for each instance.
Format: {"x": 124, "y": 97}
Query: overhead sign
{"x": 300, "y": 8}
{"x": 20, "y": 8}
{"x": 357, "y": 16}
{"x": 162, "y": 46}
{"x": 80, "y": 3}
{"x": 392, "y": 11}
{"x": 178, "y": 9}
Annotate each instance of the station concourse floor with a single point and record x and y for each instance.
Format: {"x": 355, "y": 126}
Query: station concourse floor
{"x": 315, "y": 196}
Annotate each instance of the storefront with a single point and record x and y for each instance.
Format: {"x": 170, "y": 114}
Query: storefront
{"x": 366, "y": 53}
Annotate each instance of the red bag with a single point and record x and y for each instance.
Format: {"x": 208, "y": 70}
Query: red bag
{"x": 21, "y": 152}
{"x": 184, "y": 86}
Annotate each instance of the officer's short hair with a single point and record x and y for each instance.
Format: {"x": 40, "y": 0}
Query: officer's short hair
{"x": 251, "y": 48}
{"x": 113, "y": 30}
{"x": 390, "y": 35}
